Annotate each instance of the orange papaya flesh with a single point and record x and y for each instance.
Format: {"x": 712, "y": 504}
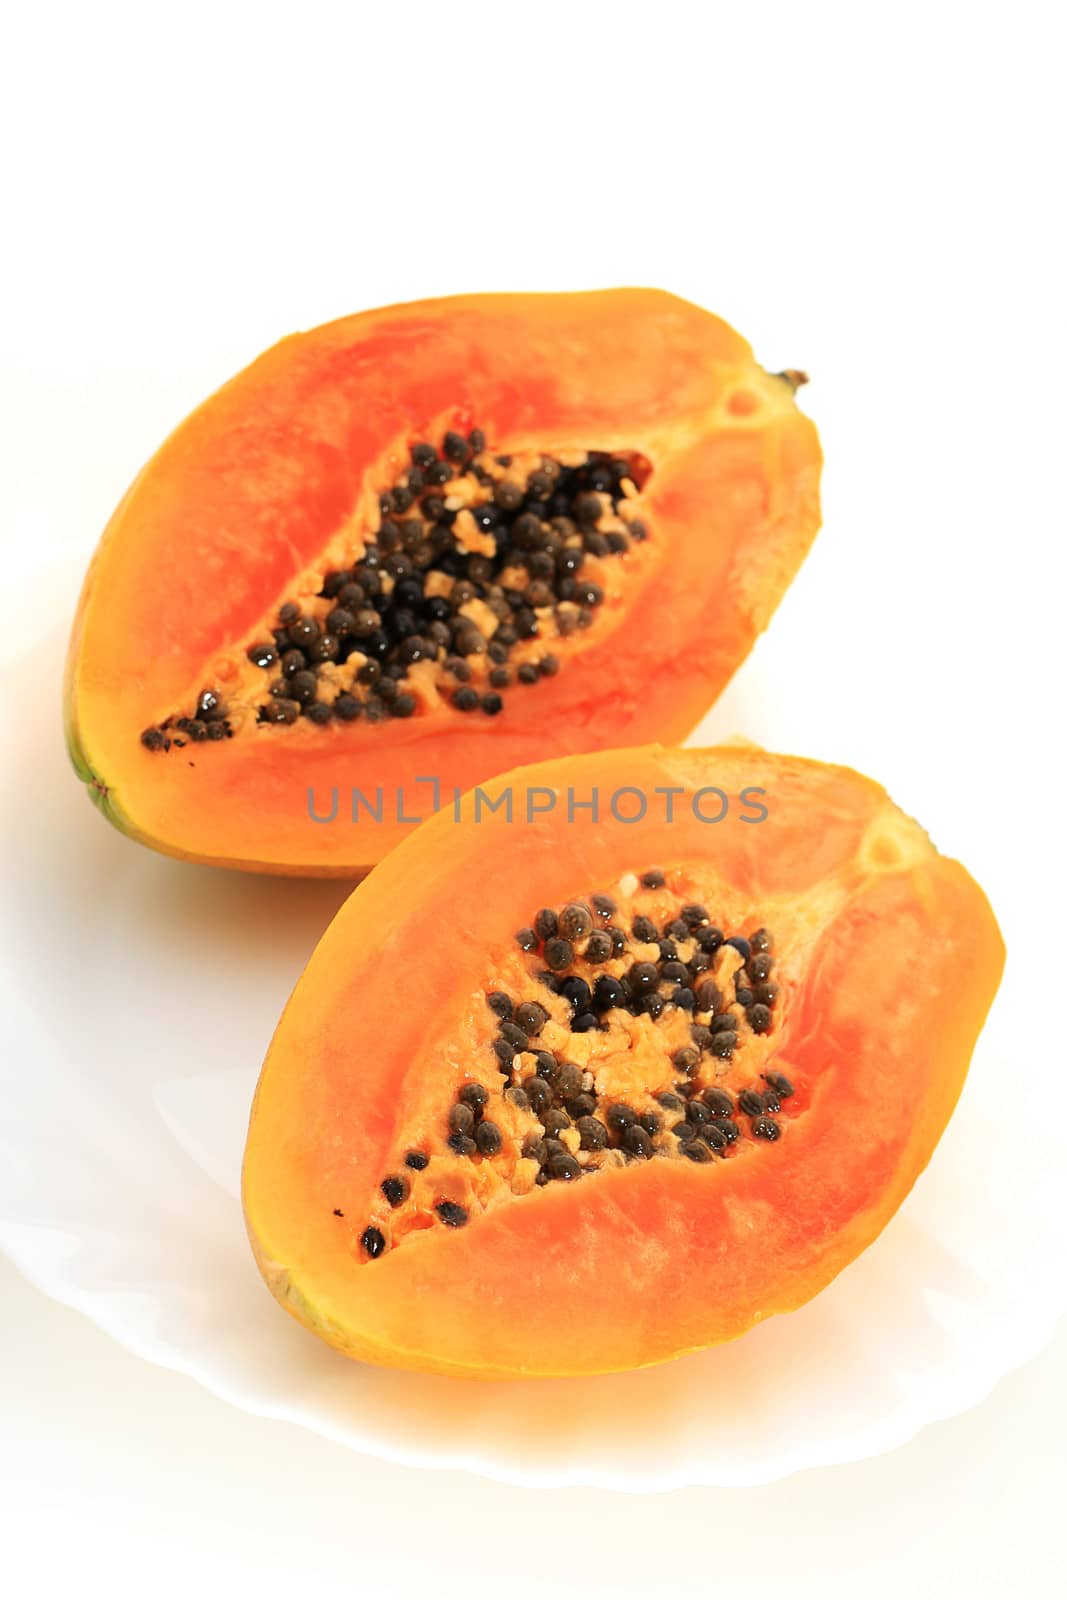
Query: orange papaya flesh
{"x": 704, "y": 483}
{"x": 475, "y": 1152}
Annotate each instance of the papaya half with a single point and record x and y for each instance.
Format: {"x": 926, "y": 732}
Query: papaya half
{"x": 424, "y": 545}
{"x": 668, "y": 1078}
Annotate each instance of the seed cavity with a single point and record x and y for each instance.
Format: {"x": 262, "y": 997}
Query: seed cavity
{"x": 478, "y": 564}
{"x": 538, "y": 1112}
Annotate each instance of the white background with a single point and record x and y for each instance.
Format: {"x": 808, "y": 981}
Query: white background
{"x": 873, "y": 194}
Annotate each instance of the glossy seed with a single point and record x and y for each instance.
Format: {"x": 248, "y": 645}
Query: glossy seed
{"x": 575, "y": 922}
{"x": 620, "y": 1117}
{"x": 395, "y": 1189}
{"x": 461, "y": 1118}
{"x": 547, "y": 1065}
{"x": 373, "y": 1242}
{"x": 569, "y": 1080}
{"x": 608, "y": 993}
{"x": 685, "y": 1060}
{"x": 537, "y": 1093}
{"x": 766, "y": 1128}
{"x": 559, "y": 953}
{"x": 507, "y": 495}
{"x": 643, "y": 977}
{"x": 304, "y": 631}
{"x": 563, "y": 1168}
{"x": 327, "y": 648}
{"x": 451, "y": 1213}
{"x": 283, "y": 710}
{"x": 638, "y": 1142}
{"x": 303, "y": 686}
{"x": 488, "y": 1138}
{"x": 531, "y": 1018}
{"x": 417, "y": 1160}
{"x": 475, "y": 1095}
{"x": 598, "y": 948}
{"x": 580, "y": 1105}
{"x": 499, "y": 1003}
{"x": 594, "y": 1134}
{"x": 718, "y": 1102}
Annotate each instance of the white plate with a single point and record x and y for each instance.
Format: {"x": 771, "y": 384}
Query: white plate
{"x": 143, "y": 994}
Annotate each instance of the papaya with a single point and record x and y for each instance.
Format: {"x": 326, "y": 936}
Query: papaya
{"x": 670, "y": 1076}
{"x": 427, "y": 544}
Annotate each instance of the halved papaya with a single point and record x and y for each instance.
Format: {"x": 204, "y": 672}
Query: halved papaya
{"x": 425, "y": 544}
{"x": 669, "y": 1077}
